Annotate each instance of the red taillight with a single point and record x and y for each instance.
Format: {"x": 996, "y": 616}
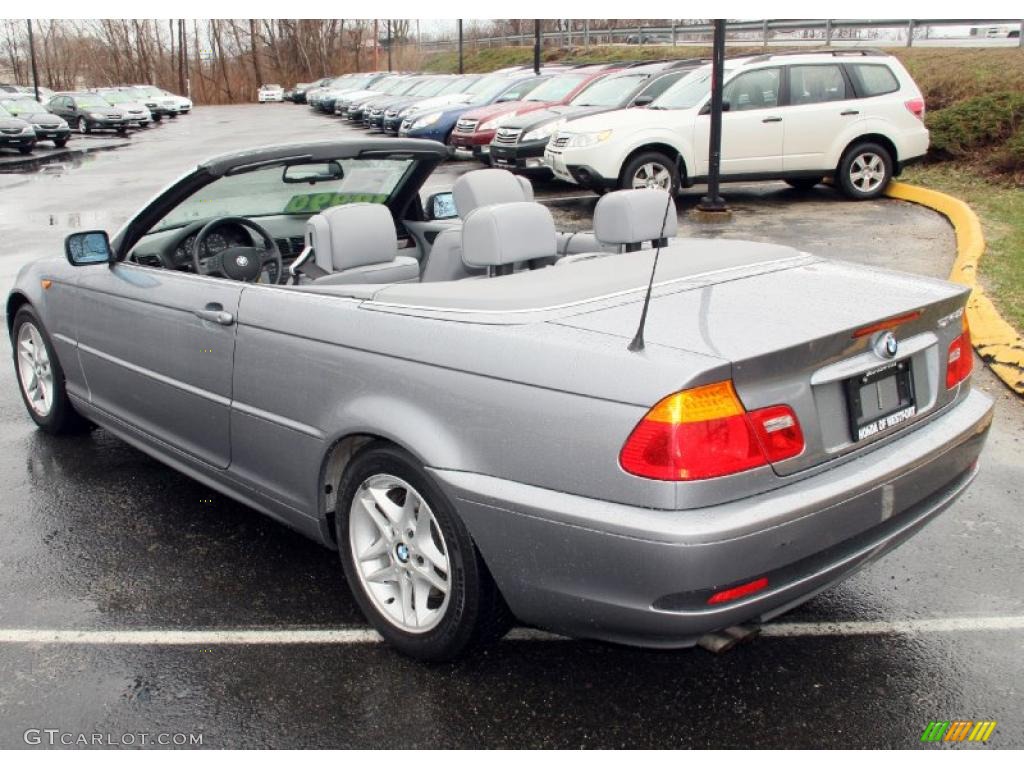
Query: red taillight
{"x": 960, "y": 360}
{"x": 916, "y": 107}
{"x": 705, "y": 432}
{"x": 735, "y": 593}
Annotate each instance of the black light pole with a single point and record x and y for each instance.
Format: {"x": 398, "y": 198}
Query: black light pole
{"x": 32, "y": 56}
{"x": 712, "y": 201}
{"x": 389, "y": 45}
{"x": 460, "y": 46}
{"x": 536, "y": 46}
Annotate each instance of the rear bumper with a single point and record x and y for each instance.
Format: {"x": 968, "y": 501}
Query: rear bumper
{"x": 639, "y": 576}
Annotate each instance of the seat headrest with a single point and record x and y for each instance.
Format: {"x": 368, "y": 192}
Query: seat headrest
{"x": 489, "y": 187}
{"x": 508, "y": 234}
{"x": 634, "y": 216}
{"x": 352, "y": 235}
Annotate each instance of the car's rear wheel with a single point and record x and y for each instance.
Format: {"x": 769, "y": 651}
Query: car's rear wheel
{"x": 650, "y": 170}
{"x": 83, "y": 125}
{"x": 865, "y": 171}
{"x": 804, "y": 183}
{"x": 40, "y": 377}
{"x": 411, "y": 564}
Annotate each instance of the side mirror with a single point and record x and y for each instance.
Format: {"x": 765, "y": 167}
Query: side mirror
{"x": 642, "y": 100}
{"x": 441, "y": 205}
{"x": 84, "y": 248}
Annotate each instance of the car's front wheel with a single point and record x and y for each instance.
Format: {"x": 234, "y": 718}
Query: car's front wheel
{"x": 865, "y": 171}
{"x": 650, "y": 170}
{"x": 40, "y": 377}
{"x": 27, "y": 149}
{"x": 60, "y": 143}
{"x": 411, "y": 564}
{"x": 83, "y": 125}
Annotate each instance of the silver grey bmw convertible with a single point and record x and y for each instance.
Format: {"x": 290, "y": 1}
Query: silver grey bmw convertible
{"x": 620, "y": 434}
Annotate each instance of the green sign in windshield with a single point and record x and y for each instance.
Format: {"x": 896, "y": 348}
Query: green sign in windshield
{"x": 320, "y": 201}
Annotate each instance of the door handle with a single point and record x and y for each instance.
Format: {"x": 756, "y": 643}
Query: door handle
{"x": 215, "y": 314}
{"x": 772, "y": 120}
{"x": 846, "y": 112}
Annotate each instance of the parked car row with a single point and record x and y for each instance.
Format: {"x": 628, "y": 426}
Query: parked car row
{"x": 24, "y": 121}
{"x": 852, "y": 115}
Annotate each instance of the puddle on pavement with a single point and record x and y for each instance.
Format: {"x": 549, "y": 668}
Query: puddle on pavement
{"x": 58, "y": 164}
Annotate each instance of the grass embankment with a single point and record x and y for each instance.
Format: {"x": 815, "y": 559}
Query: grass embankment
{"x": 975, "y": 100}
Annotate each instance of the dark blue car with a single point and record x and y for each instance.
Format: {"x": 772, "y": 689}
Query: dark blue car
{"x": 437, "y": 123}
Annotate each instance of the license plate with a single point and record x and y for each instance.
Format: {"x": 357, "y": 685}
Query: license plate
{"x": 880, "y": 399}
{"x": 502, "y": 160}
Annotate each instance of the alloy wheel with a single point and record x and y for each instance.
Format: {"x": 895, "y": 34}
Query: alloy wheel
{"x": 34, "y": 372}
{"x": 867, "y": 172}
{"x": 652, "y": 176}
{"x": 400, "y": 554}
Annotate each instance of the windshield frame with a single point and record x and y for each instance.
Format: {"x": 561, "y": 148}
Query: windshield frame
{"x": 699, "y": 75}
{"x": 640, "y": 78}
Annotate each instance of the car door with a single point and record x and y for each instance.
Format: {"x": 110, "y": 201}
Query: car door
{"x": 60, "y": 105}
{"x": 752, "y": 128}
{"x": 156, "y": 347}
{"x": 821, "y": 107}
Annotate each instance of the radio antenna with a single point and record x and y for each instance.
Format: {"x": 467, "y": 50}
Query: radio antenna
{"x": 637, "y": 344}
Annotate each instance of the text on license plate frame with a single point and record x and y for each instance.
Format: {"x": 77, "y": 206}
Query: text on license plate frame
{"x": 880, "y": 399}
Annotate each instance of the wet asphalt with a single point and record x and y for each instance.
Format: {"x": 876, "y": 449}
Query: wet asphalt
{"x": 96, "y": 535}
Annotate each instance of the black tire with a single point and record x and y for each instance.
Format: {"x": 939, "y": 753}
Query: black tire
{"x": 121, "y": 131}
{"x": 60, "y": 143}
{"x": 865, "y": 155}
{"x": 645, "y": 162}
{"x": 157, "y": 118}
{"x": 173, "y": 115}
{"x": 26, "y": 150}
{"x": 62, "y": 418}
{"x": 804, "y": 184}
{"x": 476, "y": 613}
{"x": 83, "y": 125}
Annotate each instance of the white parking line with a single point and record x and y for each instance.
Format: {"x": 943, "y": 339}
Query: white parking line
{"x": 356, "y": 636}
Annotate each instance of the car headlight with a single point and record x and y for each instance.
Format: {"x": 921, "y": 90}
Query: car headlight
{"x": 589, "y": 139}
{"x": 497, "y": 122}
{"x": 544, "y": 131}
{"x": 62, "y": 124}
{"x": 96, "y": 116}
{"x": 28, "y": 129}
{"x": 426, "y": 120}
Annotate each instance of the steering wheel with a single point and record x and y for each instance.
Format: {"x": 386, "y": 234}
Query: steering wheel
{"x": 237, "y": 262}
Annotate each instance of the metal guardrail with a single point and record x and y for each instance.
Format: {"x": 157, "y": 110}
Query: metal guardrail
{"x": 683, "y": 34}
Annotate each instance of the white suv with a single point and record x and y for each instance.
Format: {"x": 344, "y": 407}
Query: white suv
{"x": 854, "y": 115}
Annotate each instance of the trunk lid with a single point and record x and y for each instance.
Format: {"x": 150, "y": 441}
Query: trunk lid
{"x": 791, "y": 336}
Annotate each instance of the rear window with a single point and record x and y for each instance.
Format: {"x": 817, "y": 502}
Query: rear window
{"x": 816, "y": 83}
{"x": 873, "y": 79}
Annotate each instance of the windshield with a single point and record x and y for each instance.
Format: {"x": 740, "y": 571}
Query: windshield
{"x": 486, "y": 84}
{"x": 556, "y": 89}
{"x": 609, "y": 92}
{"x": 457, "y": 85}
{"x": 4, "y": 112}
{"x": 688, "y": 92}
{"x": 23, "y": 105}
{"x": 263, "y": 192}
{"x": 509, "y": 90}
{"x": 115, "y": 97}
{"x": 90, "y": 100}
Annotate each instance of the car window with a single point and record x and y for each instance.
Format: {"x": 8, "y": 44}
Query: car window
{"x": 688, "y": 92}
{"x": 816, "y": 83}
{"x": 263, "y": 192}
{"x": 556, "y": 89}
{"x": 87, "y": 101}
{"x": 873, "y": 79}
{"x": 661, "y": 84}
{"x": 607, "y": 92}
{"x": 758, "y": 89}
{"x": 515, "y": 92}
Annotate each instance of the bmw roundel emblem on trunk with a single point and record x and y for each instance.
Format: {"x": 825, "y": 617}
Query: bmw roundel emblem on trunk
{"x": 887, "y": 346}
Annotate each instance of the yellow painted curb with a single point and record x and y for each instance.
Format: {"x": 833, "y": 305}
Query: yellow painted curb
{"x": 998, "y": 342}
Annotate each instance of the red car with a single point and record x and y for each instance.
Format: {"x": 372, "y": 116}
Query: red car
{"x": 475, "y": 129}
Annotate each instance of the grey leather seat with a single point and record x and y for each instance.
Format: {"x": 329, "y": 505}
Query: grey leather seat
{"x": 496, "y": 238}
{"x": 629, "y": 218}
{"x": 476, "y": 189}
{"x": 357, "y": 243}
